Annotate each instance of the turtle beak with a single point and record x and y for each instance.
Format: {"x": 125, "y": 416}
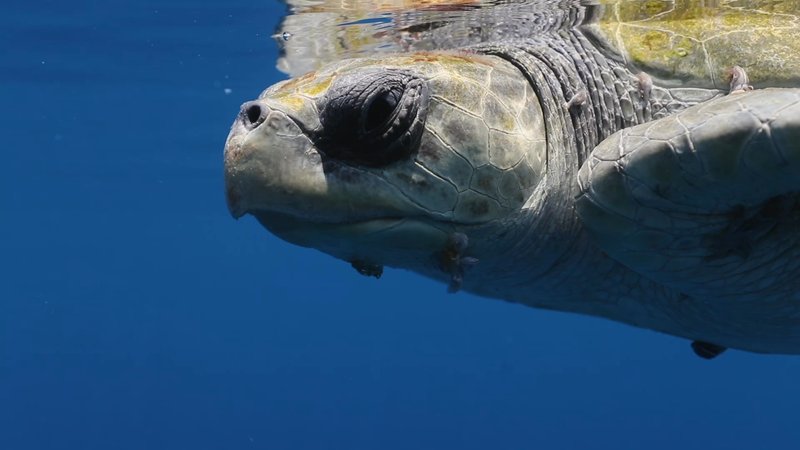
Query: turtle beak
{"x": 233, "y": 196}
{"x": 251, "y": 116}
{"x": 271, "y": 165}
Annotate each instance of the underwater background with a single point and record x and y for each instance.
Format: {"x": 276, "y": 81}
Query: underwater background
{"x": 135, "y": 313}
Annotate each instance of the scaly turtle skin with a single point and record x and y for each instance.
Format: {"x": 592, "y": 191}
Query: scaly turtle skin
{"x": 543, "y": 172}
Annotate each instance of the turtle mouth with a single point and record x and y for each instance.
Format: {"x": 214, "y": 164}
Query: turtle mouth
{"x": 233, "y": 199}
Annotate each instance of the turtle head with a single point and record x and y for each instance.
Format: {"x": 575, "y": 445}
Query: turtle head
{"x": 382, "y": 160}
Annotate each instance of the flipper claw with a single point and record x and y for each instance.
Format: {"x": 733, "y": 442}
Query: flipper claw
{"x": 454, "y": 263}
{"x": 576, "y": 101}
{"x": 645, "y": 86}
{"x": 739, "y": 81}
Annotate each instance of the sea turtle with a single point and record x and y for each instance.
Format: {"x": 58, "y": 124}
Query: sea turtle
{"x": 546, "y": 170}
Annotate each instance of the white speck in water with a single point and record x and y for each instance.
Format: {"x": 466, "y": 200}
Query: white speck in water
{"x": 228, "y": 91}
{"x": 42, "y": 62}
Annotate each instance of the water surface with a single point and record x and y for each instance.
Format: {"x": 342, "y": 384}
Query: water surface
{"x": 136, "y": 314}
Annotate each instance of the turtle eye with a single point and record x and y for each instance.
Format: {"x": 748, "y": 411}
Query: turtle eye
{"x": 379, "y": 111}
{"x": 372, "y": 117}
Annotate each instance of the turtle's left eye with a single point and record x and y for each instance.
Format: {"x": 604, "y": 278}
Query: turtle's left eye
{"x": 372, "y": 117}
{"x": 379, "y": 110}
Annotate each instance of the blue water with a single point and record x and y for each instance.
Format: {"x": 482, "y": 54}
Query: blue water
{"x": 136, "y": 314}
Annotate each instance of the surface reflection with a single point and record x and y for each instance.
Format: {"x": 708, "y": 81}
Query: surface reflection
{"x": 686, "y": 42}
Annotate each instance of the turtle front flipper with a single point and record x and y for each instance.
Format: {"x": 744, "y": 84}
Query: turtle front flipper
{"x": 706, "y": 201}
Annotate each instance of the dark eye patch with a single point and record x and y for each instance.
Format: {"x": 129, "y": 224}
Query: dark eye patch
{"x": 372, "y": 117}
{"x": 379, "y": 111}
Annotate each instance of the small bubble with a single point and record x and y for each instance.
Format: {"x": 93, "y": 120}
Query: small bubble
{"x": 286, "y": 35}
{"x": 227, "y": 91}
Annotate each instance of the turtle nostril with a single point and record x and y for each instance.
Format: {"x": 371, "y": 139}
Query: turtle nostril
{"x": 253, "y": 113}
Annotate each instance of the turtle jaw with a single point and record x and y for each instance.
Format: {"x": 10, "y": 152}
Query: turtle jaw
{"x": 261, "y": 143}
{"x": 232, "y": 155}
